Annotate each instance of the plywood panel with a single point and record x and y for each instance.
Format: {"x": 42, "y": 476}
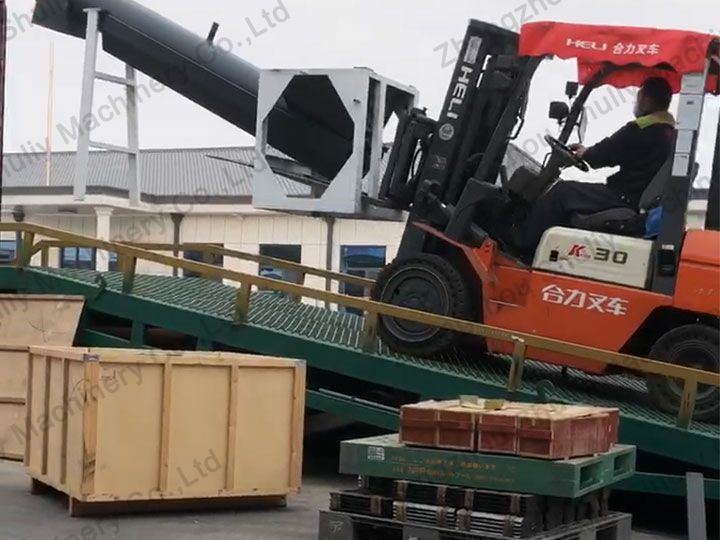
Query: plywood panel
{"x": 198, "y": 418}
{"x": 265, "y": 413}
{"x": 128, "y": 459}
{"x": 12, "y": 430}
{"x": 13, "y": 373}
{"x": 39, "y": 320}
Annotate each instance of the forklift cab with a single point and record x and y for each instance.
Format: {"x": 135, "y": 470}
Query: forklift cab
{"x": 624, "y": 57}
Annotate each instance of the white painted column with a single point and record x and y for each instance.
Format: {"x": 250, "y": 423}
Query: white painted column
{"x": 102, "y": 232}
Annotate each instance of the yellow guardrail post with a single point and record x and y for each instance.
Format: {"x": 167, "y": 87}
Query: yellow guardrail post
{"x": 517, "y": 366}
{"x": 242, "y": 303}
{"x": 369, "y": 335}
{"x": 687, "y": 403}
{"x": 45, "y": 256}
{"x": 128, "y": 266}
{"x": 26, "y": 249}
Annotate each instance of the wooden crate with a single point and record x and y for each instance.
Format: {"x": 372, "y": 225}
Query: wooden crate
{"x": 548, "y": 431}
{"x": 123, "y": 426}
{"x": 28, "y": 320}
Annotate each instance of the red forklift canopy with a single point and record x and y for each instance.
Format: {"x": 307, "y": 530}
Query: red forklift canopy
{"x": 645, "y": 51}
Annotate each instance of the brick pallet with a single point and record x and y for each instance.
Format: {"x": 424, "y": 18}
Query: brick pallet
{"x": 385, "y": 457}
{"x": 544, "y": 431}
{"x": 343, "y": 526}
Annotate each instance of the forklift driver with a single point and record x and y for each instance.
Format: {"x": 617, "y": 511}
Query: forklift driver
{"x": 640, "y": 149}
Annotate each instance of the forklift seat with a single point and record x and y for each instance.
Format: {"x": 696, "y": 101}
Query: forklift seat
{"x": 626, "y": 221}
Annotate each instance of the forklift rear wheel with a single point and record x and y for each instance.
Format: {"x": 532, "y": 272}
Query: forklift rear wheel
{"x": 696, "y": 346}
{"x": 426, "y": 283}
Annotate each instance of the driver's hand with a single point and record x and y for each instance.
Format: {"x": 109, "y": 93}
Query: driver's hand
{"x": 579, "y": 150}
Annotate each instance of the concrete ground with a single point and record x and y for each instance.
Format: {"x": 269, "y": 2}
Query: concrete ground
{"x": 32, "y": 517}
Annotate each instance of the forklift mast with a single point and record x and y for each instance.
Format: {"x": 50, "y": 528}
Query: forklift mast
{"x": 438, "y": 169}
{"x": 712, "y": 218}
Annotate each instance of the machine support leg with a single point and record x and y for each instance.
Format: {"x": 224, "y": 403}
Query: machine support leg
{"x": 133, "y": 127}
{"x": 88, "y": 94}
{"x": 137, "y": 334}
{"x": 697, "y": 518}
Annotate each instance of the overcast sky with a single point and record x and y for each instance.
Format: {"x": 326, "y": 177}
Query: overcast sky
{"x": 406, "y": 40}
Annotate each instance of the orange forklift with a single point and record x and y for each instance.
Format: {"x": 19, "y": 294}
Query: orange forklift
{"x": 635, "y": 281}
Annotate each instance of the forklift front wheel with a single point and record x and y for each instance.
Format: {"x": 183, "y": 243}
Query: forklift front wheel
{"x": 426, "y": 283}
{"x": 692, "y": 345}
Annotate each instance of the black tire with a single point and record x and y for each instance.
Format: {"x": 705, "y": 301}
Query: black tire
{"x": 427, "y": 283}
{"x": 693, "y": 345}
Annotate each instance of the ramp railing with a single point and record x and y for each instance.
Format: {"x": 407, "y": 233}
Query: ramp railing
{"x": 129, "y": 255}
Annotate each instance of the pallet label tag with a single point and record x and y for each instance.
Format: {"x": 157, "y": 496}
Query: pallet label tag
{"x": 376, "y": 453}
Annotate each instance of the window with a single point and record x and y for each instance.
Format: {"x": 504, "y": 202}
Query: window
{"x": 362, "y": 261}
{"x": 8, "y": 250}
{"x": 85, "y": 258}
{"x": 290, "y": 253}
{"x": 114, "y": 263}
{"x": 199, "y": 256}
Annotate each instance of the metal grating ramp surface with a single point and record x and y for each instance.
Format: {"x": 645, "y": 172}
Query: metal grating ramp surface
{"x": 277, "y": 313}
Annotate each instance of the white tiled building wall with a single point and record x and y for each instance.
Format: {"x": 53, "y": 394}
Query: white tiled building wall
{"x": 246, "y": 233}
{"x": 238, "y": 232}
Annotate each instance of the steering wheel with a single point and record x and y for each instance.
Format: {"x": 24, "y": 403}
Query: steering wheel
{"x": 567, "y": 156}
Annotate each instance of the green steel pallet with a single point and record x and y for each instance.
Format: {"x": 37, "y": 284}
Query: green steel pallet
{"x": 385, "y": 457}
{"x": 330, "y": 341}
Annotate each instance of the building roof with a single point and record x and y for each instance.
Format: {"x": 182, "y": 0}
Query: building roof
{"x": 170, "y": 174}
{"x": 164, "y": 173}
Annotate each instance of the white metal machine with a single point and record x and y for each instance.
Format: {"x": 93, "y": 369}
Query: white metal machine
{"x": 356, "y": 104}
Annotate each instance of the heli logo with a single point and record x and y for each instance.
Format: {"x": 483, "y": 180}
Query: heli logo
{"x": 587, "y": 45}
{"x": 462, "y": 84}
{"x": 578, "y": 250}
{"x": 459, "y": 91}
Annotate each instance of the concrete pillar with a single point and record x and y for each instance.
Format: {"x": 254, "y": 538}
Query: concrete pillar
{"x": 102, "y": 232}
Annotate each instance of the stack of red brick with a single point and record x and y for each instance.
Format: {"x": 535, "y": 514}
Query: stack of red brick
{"x": 545, "y": 431}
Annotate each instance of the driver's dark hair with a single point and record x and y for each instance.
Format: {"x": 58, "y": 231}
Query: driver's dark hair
{"x": 659, "y": 91}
